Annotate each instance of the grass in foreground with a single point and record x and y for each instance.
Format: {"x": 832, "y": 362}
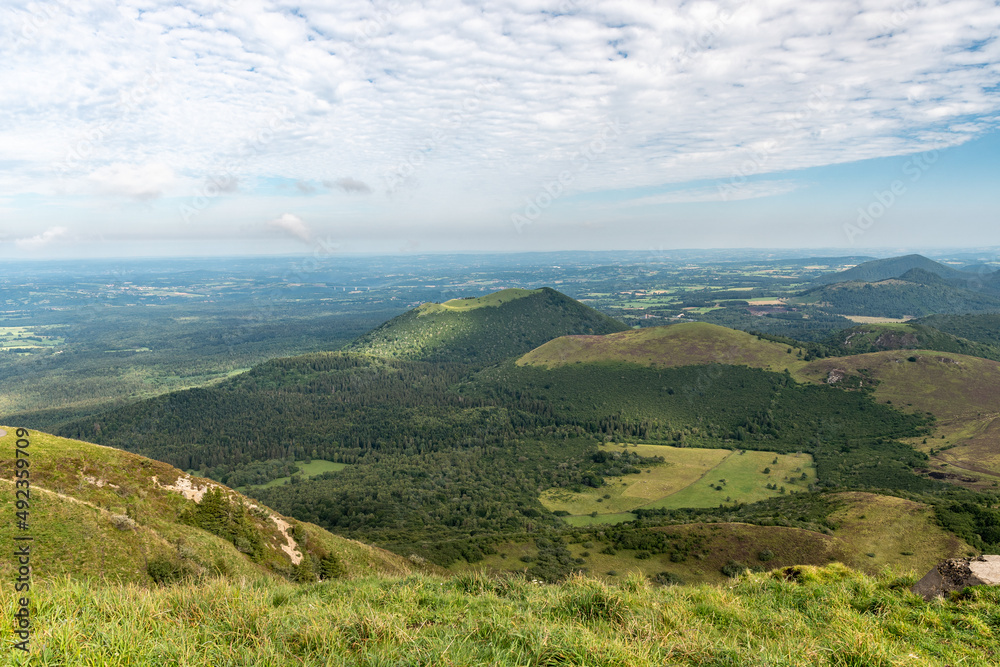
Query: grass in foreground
{"x": 810, "y": 616}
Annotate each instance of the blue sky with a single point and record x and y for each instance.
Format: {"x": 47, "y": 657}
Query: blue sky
{"x": 252, "y": 126}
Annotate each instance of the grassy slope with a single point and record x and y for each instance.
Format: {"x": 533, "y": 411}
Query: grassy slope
{"x": 688, "y": 478}
{"x": 961, "y": 391}
{"x": 900, "y": 535}
{"x": 811, "y": 616}
{"x": 78, "y": 487}
{"x": 687, "y": 344}
{"x": 485, "y": 329}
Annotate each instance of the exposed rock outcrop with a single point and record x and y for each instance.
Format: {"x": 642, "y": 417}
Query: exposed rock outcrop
{"x": 955, "y": 574}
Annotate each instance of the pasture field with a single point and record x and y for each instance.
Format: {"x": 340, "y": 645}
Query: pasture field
{"x": 494, "y": 299}
{"x": 688, "y": 477}
{"x": 25, "y": 338}
{"x": 311, "y": 469}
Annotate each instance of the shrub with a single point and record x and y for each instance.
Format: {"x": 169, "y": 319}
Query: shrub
{"x": 164, "y": 570}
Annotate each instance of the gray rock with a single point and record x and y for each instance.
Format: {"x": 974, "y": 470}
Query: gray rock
{"x": 955, "y": 574}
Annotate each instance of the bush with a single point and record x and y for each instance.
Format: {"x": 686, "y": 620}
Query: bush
{"x": 164, "y": 570}
{"x": 666, "y": 579}
{"x": 765, "y": 555}
{"x": 733, "y": 569}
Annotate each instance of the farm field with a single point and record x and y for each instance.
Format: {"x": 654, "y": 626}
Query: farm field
{"x": 24, "y": 338}
{"x": 688, "y": 477}
{"x": 311, "y": 469}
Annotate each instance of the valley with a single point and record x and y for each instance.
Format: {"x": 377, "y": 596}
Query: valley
{"x": 514, "y": 435}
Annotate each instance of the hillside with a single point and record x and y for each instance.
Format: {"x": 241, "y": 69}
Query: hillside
{"x": 686, "y": 344}
{"x": 101, "y": 512}
{"x": 907, "y": 336}
{"x": 892, "y": 267}
{"x": 983, "y": 328}
{"x": 485, "y": 329}
{"x": 895, "y": 298}
{"x": 795, "y": 616}
{"x": 960, "y": 391}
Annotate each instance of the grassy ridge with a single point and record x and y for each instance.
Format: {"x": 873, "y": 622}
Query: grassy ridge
{"x": 687, "y": 344}
{"x": 102, "y": 512}
{"x": 827, "y": 616}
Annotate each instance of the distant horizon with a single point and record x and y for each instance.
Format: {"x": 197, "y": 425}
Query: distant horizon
{"x": 990, "y": 254}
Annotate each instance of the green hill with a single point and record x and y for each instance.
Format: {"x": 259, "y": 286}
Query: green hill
{"x": 981, "y": 328}
{"x": 892, "y": 267}
{"x": 687, "y": 344}
{"x": 907, "y": 336}
{"x": 484, "y": 329}
{"x": 101, "y": 512}
{"x": 895, "y": 298}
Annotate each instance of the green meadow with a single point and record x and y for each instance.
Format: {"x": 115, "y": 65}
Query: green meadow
{"x": 688, "y": 477}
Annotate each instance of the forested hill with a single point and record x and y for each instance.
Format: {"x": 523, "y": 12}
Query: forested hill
{"x": 484, "y": 330}
{"x": 897, "y": 298}
{"x": 892, "y": 267}
{"x": 908, "y": 336}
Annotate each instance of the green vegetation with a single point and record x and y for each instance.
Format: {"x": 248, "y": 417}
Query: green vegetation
{"x": 908, "y": 336}
{"x": 795, "y": 616}
{"x": 105, "y": 513}
{"x": 688, "y": 344}
{"x": 687, "y": 477}
{"x": 483, "y": 330}
{"x": 982, "y": 328}
{"x": 897, "y": 298}
{"x": 892, "y": 267}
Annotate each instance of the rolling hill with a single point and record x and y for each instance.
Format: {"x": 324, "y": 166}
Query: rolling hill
{"x": 960, "y": 391}
{"x": 686, "y": 344}
{"x": 895, "y": 298}
{"x": 893, "y": 267}
{"x": 907, "y": 336}
{"x": 104, "y": 513}
{"x": 485, "y": 329}
{"x": 982, "y": 328}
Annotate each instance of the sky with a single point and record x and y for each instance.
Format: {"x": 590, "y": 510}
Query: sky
{"x": 247, "y": 127}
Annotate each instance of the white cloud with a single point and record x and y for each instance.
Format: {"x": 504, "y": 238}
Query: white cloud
{"x": 293, "y": 225}
{"x": 480, "y": 103}
{"x": 142, "y": 182}
{"x": 40, "y": 240}
{"x": 725, "y": 191}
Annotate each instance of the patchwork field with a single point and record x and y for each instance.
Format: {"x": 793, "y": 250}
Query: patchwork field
{"x": 689, "y": 477}
{"x": 26, "y": 338}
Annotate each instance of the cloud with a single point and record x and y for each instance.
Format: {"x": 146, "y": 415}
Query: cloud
{"x": 142, "y": 182}
{"x": 482, "y": 104}
{"x": 293, "y": 225}
{"x": 40, "y": 240}
{"x": 724, "y": 191}
{"x": 305, "y": 188}
{"x": 348, "y": 184}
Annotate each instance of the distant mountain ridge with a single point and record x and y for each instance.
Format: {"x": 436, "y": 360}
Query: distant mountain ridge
{"x": 892, "y": 267}
{"x": 484, "y": 329}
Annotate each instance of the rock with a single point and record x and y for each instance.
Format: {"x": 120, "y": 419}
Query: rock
{"x": 955, "y": 574}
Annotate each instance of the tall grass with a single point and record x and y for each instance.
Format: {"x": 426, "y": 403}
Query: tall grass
{"x": 815, "y": 616}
